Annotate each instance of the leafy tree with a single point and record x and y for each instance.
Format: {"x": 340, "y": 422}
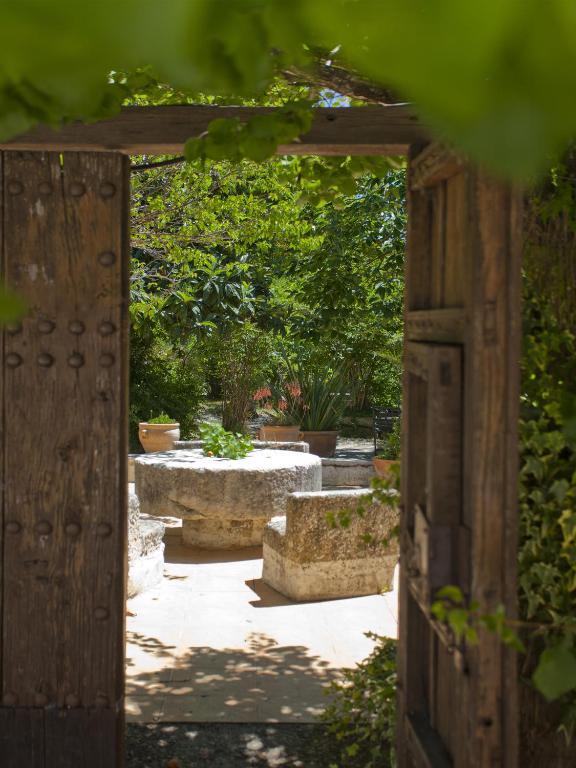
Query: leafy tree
{"x": 241, "y": 356}
{"x": 236, "y": 241}
{"x": 164, "y": 379}
{"x": 352, "y": 285}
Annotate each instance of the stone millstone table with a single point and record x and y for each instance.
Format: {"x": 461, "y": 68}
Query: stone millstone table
{"x": 223, "y": 503}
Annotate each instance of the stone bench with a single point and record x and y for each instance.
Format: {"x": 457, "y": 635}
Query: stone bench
{"x": 307, "y": 559}
{"x": 145, "y": 549}
{"x": 223, "y": 503}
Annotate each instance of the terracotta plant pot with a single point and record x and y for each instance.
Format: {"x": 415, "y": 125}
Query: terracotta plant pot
{"x": 382, "y": 466}
{"x": 278, "y": 434}
{"x": 158, "y": 437}
{"x": 321, "y": 443}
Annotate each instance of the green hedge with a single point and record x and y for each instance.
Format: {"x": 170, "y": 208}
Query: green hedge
{"x": 164, "y": 379}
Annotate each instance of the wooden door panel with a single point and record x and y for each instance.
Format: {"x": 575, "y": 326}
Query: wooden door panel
{"x": 65, "y": 249}
{"x": 457, "y": 702}
{"x": 454, "y": 282}
{"x": 433, "y": 444}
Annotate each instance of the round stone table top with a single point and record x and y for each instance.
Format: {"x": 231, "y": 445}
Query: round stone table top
{"x": 190, "y": 485}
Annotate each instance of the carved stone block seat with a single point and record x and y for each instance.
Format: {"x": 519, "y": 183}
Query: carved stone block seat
{"x": 306, "y": 558}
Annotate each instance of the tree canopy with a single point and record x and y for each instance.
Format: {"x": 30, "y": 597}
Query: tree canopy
{"x": 230, "y": 243}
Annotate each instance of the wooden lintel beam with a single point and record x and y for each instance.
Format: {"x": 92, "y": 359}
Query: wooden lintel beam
{"x": 163, "y": 130}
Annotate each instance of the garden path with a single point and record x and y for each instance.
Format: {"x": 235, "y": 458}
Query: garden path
{"x": 213, "y": 643}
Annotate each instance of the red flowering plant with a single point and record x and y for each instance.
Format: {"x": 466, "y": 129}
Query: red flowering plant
{"x": 281, "y": 401}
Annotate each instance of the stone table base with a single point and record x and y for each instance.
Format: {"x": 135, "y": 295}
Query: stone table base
{"x": 223, "y": 534}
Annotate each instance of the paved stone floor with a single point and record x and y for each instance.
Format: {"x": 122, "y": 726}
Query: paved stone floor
{"x": 213, "y": 643}
{"x": 354, "y": 448}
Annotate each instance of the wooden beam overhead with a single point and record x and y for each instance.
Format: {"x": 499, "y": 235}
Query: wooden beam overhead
{"x": 163, "y": 130}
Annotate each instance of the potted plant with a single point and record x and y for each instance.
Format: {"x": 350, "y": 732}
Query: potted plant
{"x": 388, "y": 456}
{"x": 322, "y": 400}
{"x": 159, "y": 433}
{"x": 280, "y": 401}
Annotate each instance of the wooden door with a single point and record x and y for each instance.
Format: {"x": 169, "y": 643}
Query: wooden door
{"x": 457, "y": 702}
{"x": 63, "y": 451}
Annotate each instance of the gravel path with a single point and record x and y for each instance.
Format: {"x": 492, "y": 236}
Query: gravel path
{"x": 227, "y": 745}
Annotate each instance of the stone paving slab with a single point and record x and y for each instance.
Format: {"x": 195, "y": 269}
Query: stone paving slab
{"x": 213, "y": 643}
{"x": 354, "y": 448}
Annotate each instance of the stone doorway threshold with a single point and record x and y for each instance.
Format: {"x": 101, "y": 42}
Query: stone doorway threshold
{"x": 214, "y": 644}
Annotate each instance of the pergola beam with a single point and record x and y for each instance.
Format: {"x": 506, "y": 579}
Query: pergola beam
{"x": 163, "y": 130}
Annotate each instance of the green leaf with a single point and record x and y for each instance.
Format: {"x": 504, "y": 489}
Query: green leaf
{"x": 439, "y": 610}
{"x": 501, "y": 98}
{"x": 568, "y": 411}
{"x": 559, "y": 489}
{"x": 451, "y": 592}
{"x": 458, "y": 620}
{"x": 556, "y": 672}
{"x": 193, "y": 150}
{"x": 511, "y": 639}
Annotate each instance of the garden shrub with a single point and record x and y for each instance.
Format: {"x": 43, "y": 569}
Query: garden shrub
{"x": 164, "y": 379}
{"x": 362, "y": 714}
{"x": 320, "y": 397}
{"x": 220, "y": 443}
{"x": 241, "y": 355}
{"x": 162, "y": 418}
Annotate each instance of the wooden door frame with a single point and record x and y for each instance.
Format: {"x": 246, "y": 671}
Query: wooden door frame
{"x": 383, "y": 131}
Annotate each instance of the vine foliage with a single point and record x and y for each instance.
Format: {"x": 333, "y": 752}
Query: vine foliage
{"x": 547, "y": 541}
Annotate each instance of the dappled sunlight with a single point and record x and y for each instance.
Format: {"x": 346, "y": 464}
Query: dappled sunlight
{"x": 263, "y": 683}
{"x": 214, "y": 643}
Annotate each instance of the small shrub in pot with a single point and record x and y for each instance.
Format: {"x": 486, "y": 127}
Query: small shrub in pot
{"x": 158, "y": 433}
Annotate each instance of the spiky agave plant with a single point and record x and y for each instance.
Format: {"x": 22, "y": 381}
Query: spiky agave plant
{"x": 320, "y": 398}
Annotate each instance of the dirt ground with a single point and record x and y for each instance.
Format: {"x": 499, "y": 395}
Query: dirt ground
{"x": 228, "y": 745}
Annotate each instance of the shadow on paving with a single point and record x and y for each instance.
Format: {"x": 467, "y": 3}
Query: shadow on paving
{"x": 227, "y": 745}
{"x": 178, "y": 554}
{"x": 264, "y": 683}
